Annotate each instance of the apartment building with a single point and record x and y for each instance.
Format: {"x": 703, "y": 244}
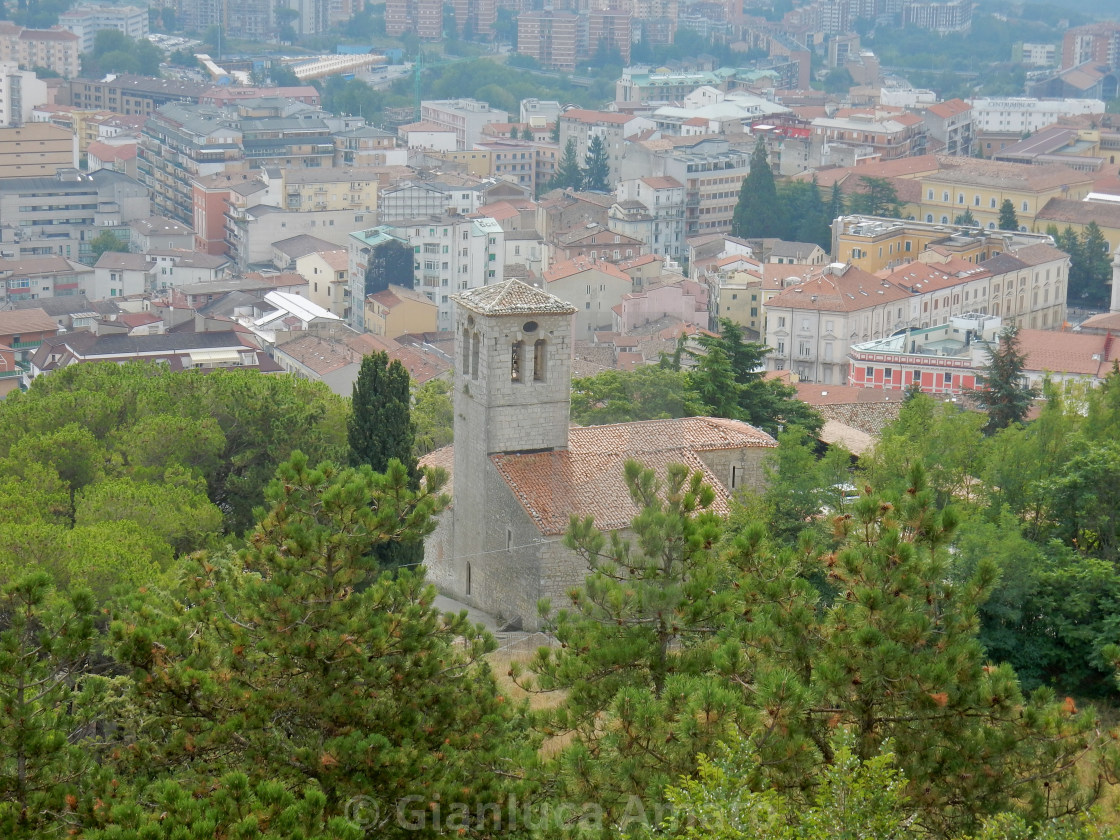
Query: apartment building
{"x": 21, "y": 91}
{"x": 414, "y": 199}
{"x": 129, "y": 95}
{"x": 874, "y": 244}
{"x": 1094, "y": 43}
{"x": 949, "y": 127}
{"x": 887, "y": 136}
{"x": 938, "y": 16}
{"x": 424, "y": 18}
{"x": 550, "y": 37}
{"x": 812, "y": 325}
{"x": 452, "y": 254}
{"x": 327, "y": 188}
{"x": 55, "y": 49}
{"x": 328, "y": 279}
{"x": 60, "y": 214}
{"x": 712, "y": 171}
{"x": 87, "y": 21}
{"x": 365, "y": 247}
{"x": 640, "y": 86}
{"x": 474, "y": 19}
{"x": 466, "y": 117}
{"x": 182, "y": 142}
{"x": 612, "y": 29}
{"x": 651, "y": 210}
{"x": 582, "y": 126}
{"x": 1026, "y": 287}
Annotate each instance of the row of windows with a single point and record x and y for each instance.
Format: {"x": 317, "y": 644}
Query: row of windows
{"x": 1024, "y": 206}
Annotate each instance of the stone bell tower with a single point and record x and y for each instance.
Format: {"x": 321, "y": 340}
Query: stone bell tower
{"x": 512, "y": 393}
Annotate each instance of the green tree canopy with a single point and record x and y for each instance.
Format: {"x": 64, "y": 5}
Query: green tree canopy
{"x": 568, "y": 173}
{"x": 1007, "y": 218}
{"x": 1004, "y": 393}
{"x": 296, "y": 663}
{"x": 757, "y": 214}
{"x": 597, "y": 168}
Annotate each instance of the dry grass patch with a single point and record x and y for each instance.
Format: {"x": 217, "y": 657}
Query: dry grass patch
{"x": 501, "y": 661}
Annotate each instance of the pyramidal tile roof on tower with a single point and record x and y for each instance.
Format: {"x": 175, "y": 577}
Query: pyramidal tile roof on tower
{"x": 512, "y": 297}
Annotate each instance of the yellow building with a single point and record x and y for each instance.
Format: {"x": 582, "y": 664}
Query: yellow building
{"x": 83, "y": 123}
{"x": 397, "y": 311}
{"x": 740, "y": 300}
{"x": 327, "y": 275}
{"x": 1063, "y": 213}
{"x": 36, "y": 149}
{"x": 981, "y": 186}
{"x": 476, "y": 162}
{"x": 331, "y": 188}
{"x": 874, "y": 244}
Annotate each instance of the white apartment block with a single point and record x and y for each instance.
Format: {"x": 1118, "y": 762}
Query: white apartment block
{"x": 651, "y": 209}
{"x": 1024, "y": 114}
{"x": 466, "y": 117}
{"x": 452, "y": 254}
{"x": 21, "y": 91}
{"x": 87, "y": 21}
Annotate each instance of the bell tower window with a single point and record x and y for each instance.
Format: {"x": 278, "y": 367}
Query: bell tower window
{"x": 538, "y": 360}
{"x": 515, "y": 364}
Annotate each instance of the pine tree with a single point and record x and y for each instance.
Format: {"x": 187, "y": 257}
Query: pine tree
{"x": 965, "y": 219}
{"x": 683, "y": 635}
{"x": 568, "y": 173}
{"x": 757, "y": 214}
{"x": 1097, "y": 265}
{"x": 636, "y": 641}
{"x": 296, "y": 663}
{"x": 379, "y": 431}
{"x": 1007, "y": 218}
{"x": 46, "y": 644}
{"x": 597, "y": 167}
{"x": 1003, "y": 393}
{"x": 878, "y": 198}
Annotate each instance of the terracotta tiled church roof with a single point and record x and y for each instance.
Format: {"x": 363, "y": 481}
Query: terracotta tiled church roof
{"x": 588, "y": 479}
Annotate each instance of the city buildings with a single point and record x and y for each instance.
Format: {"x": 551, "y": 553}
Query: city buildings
{"x": 452, "y": 254}
{"x": 60, "y": 214}
{"x": 20, "y": 92}
{"x": 54, "y": 49}
{"x": 87, "y": 21}
{"x": 424, "y": 18}
{"x": 465, "y": 117}
{"x": 550, "y": 37}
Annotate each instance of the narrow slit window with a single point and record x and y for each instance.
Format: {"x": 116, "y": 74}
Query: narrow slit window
{"x": 475, "y": 342}
{"x": 515, "y": 372}
{"x": 466, "y": 352}
{"x": 538, "y": 360}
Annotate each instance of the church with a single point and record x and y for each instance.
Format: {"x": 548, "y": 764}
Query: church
{"x": 519, "y": 470}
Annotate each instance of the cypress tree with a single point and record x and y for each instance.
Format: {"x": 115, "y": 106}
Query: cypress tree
{"x": 597, "y": 168}
{"x": 757, "y": 214}
{"x": 1004, "y": 396}
{"x": 1007, "y": 218}
{"x": 568, "y": 174}
{"x": 379, "y": 431}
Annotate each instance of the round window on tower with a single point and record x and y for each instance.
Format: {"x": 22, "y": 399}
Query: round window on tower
{"x": 529, "y": 327}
